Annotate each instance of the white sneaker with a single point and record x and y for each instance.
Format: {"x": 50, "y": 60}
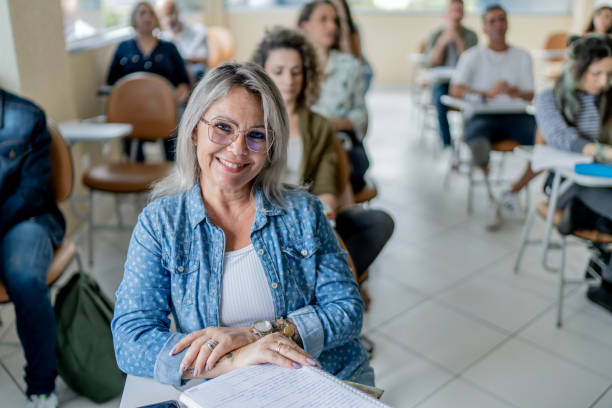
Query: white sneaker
{"x": 43, "y": 401}
{"x": 493, "y": 218}
{"x": 511, "y": 206}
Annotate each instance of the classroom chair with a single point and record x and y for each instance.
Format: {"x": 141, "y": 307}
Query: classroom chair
{"x": 580, "y": 237}
{"x": 146, "y": 101}
{"x": 221, "y": 45}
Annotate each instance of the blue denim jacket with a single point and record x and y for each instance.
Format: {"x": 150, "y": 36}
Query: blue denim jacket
{"x": 25, "y": 166}
{"x": 174, "y": 265}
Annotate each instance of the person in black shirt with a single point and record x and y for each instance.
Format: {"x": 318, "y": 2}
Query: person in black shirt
{"x": 147, "y": 53}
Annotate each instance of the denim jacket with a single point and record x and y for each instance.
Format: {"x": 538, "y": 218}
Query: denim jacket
{"x": 174, "y": 265}
{"x": 25, "y": 166}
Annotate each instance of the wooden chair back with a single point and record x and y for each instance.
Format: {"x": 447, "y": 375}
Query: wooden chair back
{"x": 62, "y": 169}
{"x": 556, "y": 41}
{"x": 147, "y": 102}
{"x": 221, "y": 45}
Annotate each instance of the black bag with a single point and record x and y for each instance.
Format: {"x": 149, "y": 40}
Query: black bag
{"x": 84, "y": 340}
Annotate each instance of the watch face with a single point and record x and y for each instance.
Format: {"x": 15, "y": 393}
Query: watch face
{"x": 262, "y": 326}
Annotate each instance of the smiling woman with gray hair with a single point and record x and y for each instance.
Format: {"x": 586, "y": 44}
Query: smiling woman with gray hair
{"x": 250, "y": 269}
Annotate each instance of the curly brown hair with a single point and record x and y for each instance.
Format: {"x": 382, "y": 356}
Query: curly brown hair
{"x": 286, "y": 38}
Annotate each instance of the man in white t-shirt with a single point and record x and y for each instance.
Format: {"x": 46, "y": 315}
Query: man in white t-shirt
{"x": 189, "y": 38}
{"x": 496, "y": 73}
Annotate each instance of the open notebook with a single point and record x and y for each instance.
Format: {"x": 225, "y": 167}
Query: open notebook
{"x": 272, "y": 386}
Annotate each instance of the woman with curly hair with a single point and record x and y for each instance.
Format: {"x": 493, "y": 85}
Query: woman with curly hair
{"x": 291, "y": 61}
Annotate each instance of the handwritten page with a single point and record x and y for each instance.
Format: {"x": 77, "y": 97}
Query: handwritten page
{"x": 272, "y": 386}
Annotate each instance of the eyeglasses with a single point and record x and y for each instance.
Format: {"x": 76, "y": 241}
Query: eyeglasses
{"x": 224, "y": 132}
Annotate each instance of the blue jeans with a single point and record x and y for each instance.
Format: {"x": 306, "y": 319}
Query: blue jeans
{"x": 483, "y": 130}
{"x": 438, "y": 91}
{"x": 26, "y": 252}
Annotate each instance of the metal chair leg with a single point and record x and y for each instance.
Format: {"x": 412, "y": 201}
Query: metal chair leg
{"x": 470, "y": 197}
{"x": 561, "y": 283}
{"x": 524, "y": 239}
{"x": 91, "y": 227}
{"x": 118, "y": 211}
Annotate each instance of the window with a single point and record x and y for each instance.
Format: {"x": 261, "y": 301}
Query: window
{"x": 89, "y": 18}
{"x": 433, "y": 6}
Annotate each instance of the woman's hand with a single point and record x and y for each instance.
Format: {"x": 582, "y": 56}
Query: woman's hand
{"x": 203, "y": 353}
{"x": 274, "y": 348}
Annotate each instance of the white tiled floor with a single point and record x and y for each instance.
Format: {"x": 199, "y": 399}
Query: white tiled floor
{"x": 453, "y": 326}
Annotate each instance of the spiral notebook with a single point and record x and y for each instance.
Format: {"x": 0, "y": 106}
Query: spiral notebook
{"x": 271, "y": 386}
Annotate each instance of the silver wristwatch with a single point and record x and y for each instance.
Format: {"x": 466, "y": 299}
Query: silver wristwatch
{"x": 262, "y": 328}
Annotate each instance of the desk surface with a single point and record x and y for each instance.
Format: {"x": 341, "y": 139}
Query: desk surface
{"x": 76, "y": 131}
{"x": 471, "y": 108}
{"x": 140, "y": 391}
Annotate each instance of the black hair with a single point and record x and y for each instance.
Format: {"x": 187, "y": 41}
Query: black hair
{"x": 591, "y": 26}
{"x": 492, "y": 7}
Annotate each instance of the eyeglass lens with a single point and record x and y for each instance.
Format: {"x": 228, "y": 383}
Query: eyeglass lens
{"x": 224, "y": 133}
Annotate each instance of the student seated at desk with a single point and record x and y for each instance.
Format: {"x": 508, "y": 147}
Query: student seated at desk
{"x": 147, "y": 53}
{"x": 496, "y": 73}
{"x": 291, "y": 62}
{"x": 576, "y": 116}
{"x": 31, "y": 226}
{"x": 443, "y": 48}
{"x": 250, "y": 269}
{"x": 189, "y": 38}
{"x": 601, "y": 21}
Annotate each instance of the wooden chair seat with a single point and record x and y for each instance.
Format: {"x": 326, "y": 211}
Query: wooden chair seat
{"x": 588, "y": 235}
{"x": 62, "y": 256}
{"x": 366, "y": 194}
{"x": 505, "y": 146}
{"x": 125, "y": 177}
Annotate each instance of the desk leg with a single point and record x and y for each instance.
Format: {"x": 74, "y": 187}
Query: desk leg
{"x": 552, "y": 206}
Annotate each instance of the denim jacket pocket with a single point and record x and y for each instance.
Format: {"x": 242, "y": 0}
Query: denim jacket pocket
{"x": 183, "y": 279}
{"x": 300, "y": 261}
{"x": 301, "y": 249}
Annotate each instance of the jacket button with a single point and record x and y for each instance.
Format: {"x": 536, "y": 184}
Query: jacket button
{"x": 180, "y": 268}
{"x": 304, "y": 252}
{"x": 260, "y": 251}
{"x": 274, "y": 285}
{"x": 12, "y": 154}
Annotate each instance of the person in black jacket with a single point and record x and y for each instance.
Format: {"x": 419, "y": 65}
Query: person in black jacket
{"x": 31, "y": 227}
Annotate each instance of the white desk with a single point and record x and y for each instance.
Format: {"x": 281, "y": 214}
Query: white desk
{"x": 562, "y": 164}
{"x": 80, "y": 131}
{"x": 548, "y": 55}
{"x": 140, "y": 391}
{"x": 417, "y": 58}
{"x": 90, "y": 131}
{"x": 469, "y": 109}
{"x": 437, "y": 75}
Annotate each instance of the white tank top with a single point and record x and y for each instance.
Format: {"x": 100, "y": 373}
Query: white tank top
{"x": 245, "y": 290}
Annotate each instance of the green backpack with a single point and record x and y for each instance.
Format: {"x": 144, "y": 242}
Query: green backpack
{"x": 84, "y": 340}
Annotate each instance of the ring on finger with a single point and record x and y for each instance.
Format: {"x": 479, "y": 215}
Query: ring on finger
{"x": 278, "y": 347}
{"x": 211, "y": 344}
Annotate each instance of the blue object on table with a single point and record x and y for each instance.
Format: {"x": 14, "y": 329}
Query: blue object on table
{"x": 594, "y": 169}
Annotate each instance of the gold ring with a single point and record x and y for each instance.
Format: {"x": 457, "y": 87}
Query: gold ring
{"x": 211, "y": 344}
{"x": 278, "y": 346}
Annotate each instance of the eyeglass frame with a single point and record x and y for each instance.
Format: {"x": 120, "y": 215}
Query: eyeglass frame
{"x": 235, "y": 135}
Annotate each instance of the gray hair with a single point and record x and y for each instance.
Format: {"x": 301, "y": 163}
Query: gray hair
{"x": 215, "y": 85}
